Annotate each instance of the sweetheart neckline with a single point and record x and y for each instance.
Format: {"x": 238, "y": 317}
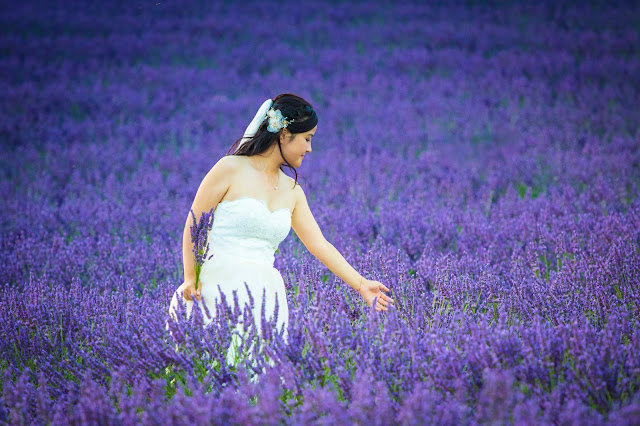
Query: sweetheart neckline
{"x": 261, "y": 201}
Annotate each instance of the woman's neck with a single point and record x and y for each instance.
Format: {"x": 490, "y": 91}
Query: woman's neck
{"x": 268, "y": 162}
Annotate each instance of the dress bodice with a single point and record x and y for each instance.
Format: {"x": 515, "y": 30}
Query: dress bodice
{"x": 246, "y": 228}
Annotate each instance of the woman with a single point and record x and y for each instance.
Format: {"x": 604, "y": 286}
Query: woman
{"x": 256, "y": 204}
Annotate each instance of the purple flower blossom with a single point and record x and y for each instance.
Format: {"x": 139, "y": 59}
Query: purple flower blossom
{"x": 200, "y": 240}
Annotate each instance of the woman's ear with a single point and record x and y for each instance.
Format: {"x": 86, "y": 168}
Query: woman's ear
{"x": 283, "y": 135}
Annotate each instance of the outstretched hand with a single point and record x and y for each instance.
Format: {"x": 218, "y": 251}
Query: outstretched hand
{"x": 371, "y": 289}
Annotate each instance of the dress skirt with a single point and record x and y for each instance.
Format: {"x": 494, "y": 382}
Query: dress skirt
{"x": 231, "y": 274}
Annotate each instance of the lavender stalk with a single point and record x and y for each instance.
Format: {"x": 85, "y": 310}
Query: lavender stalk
{"x": 199, "y": 238}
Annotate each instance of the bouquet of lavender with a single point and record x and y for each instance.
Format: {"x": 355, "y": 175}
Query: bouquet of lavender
{"x": 199, "y": 238}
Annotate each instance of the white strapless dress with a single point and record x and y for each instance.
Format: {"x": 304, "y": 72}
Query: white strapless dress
{"x": 243, "y": 239}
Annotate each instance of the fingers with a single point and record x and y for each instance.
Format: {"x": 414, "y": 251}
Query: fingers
{"x": 388, "y": 299}
{"x": 381, "y": 305}
{"x": 189, "y": 295}
{"x": 189, "y": 291}
{"x": 198, "y": 291}
{"x": 382, "y": 301}
{"x": 384, "y": 296}
{"x": 195, "y": 294}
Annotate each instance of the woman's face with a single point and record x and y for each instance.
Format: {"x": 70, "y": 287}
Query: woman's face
{"x": 295, "y": 147}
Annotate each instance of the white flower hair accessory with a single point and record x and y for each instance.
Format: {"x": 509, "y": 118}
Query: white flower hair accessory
{"x": 277, "y": 121}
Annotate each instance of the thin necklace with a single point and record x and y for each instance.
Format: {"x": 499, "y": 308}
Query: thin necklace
{"x": 275, "y": 187}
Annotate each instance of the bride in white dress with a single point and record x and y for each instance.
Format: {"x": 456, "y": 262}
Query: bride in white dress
{"x": 255, "y": 205}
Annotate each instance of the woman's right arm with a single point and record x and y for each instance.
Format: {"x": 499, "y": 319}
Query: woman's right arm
{"x": 211, "y": 190}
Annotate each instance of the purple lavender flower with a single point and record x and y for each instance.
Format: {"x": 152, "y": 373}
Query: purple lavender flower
{"x": 199, "y": 238}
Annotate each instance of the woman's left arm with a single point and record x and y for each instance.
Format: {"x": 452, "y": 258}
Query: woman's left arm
{"x": 307, "y": 229}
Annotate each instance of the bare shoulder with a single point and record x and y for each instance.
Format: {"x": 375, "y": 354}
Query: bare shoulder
{"x": 229, "y": 163}
{"x": 291, "y": 183}
{"x": 228, "y": 166}
{"x": 222, "y": 172}
{"x": 215, "y": 184}
{"x": 298, "y": 193}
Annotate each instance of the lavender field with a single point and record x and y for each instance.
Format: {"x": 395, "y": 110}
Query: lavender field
{"x": 482, "y": 160}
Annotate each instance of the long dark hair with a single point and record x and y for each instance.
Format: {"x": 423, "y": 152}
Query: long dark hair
{"x": 292, "y": 107}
